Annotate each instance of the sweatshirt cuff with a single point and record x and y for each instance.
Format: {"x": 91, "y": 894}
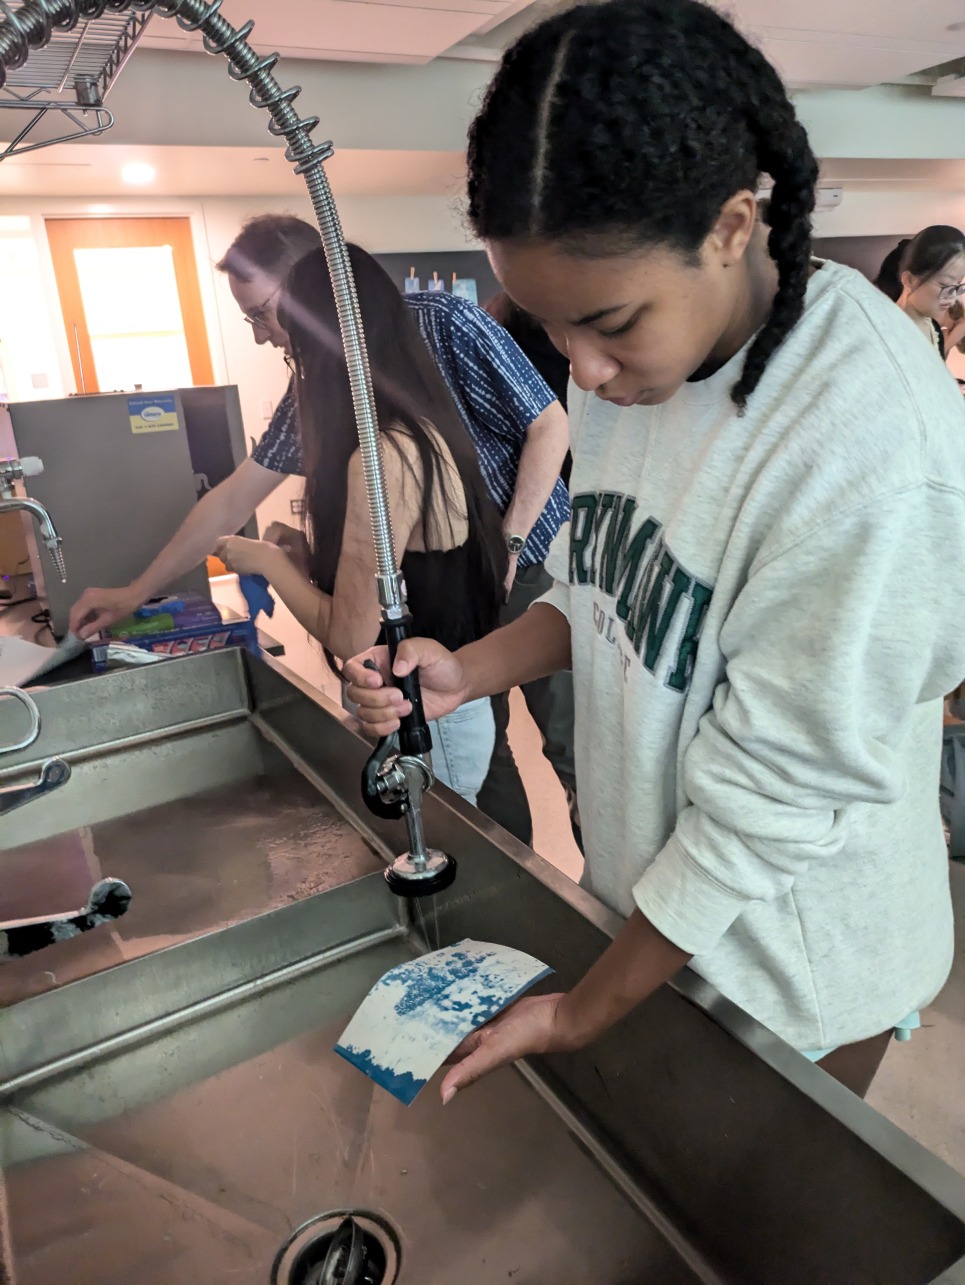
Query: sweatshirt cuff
{"x": 683, "y": 902}
{"x": 557, "y": 596}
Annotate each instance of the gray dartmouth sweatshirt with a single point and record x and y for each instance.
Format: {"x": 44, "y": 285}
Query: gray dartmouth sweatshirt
{"x": 767, "y": 611}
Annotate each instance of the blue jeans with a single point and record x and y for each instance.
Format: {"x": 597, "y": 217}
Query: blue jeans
{"x": 462, "y": 745}
{"x": 550, "y": 702}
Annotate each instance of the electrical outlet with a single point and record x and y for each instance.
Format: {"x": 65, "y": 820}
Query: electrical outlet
{"x": 266, "y": 409}
{"x": 297, "y": 508}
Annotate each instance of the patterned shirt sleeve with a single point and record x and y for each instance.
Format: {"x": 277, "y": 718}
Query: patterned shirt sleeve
{"x": 280, "y": 448}
{"x": 500, "y": 385}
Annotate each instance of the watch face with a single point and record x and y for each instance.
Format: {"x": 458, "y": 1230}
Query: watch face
{"x": 515, "y": 544}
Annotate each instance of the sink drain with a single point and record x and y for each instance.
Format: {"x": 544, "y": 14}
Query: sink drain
{"x": 340, "y": 1247}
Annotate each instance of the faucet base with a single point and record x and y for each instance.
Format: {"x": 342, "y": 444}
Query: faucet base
{"x": 406, "y": 879}
{"x": 109, "y": 899}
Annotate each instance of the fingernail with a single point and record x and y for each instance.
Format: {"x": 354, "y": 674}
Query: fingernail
{"x": 448, "y": 1096}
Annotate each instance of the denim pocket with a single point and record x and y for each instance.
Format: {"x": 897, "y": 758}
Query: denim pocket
{"x": 462, "y": 746}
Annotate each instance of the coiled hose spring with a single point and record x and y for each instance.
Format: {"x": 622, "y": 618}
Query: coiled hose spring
{"x": 31, "y": 27}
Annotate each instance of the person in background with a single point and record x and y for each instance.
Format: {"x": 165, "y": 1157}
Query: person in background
{"x": 553, "y": 365}
{"x": 444, "y": 523}
{"x": 533, "y": 340}
{"x": 517, "y": 426}
{"x": 925, "y": 276}
{"x": 762, "y": 589}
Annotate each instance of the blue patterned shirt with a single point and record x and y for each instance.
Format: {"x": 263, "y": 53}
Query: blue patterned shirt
{"x": 497, "y": 392}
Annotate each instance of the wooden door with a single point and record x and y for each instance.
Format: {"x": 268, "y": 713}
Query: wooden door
{"x": 66, "y": 236}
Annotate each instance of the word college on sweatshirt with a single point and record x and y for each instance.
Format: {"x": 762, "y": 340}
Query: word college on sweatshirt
{"x": 628, "y": 560}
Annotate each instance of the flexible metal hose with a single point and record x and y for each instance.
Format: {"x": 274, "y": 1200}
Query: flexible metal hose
{"x": 32, "y": 26}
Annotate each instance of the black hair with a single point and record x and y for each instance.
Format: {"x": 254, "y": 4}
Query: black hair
{"x": 411, "y": 397}
{"x": 888, "y": 279}
{"x": 611, "y": 127}
{"x": 923, "y": 256}
{"x": 269, "y": 243}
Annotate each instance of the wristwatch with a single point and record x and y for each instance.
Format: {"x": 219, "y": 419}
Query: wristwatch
{"x": 515, "y": 544}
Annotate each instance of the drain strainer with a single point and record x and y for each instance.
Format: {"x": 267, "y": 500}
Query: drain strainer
{"x": 340, "y": 1247}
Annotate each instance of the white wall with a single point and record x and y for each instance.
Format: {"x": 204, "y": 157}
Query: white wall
{"x": 890, "y": 212}
{"x": 893, "y": 122}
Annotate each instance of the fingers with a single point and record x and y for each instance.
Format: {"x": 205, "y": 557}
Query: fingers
{"x": 283, "y": 535}
{"x": 380, "y": 719}
{"x": 78, "y": 614}
{"x": 100, "y": 620}
{"x": 379, "y": 705}
{"x": 417, "y": 653}
{"x": 487, "y": 1052}
{"x": 369, "y": 669}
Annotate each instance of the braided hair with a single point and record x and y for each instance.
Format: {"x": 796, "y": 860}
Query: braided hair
{"x": 649, "y": 116}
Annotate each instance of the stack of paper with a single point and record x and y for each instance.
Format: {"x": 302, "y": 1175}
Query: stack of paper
{"x": 22, "y": 661}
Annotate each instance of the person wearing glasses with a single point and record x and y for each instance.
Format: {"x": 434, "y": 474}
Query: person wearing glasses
{"x": 521, "y": 437}
{"x": 925, "y": 276}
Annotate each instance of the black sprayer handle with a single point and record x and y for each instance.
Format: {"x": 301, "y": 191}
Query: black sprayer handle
{"x": 414, "y": 737}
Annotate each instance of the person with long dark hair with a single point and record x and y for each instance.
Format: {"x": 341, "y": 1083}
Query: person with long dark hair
{"x": 762, "y": 589}
{"x": 925, "y": 276}
{"x": 517, "y": 427}
{"x": 445, "y": 525}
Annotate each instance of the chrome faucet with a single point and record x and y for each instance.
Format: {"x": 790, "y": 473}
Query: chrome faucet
{"x": 12, "y": 470}
{"x": 108, "y": 899}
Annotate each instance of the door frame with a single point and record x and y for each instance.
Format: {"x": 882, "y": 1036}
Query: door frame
{"x": 66, "y": 290}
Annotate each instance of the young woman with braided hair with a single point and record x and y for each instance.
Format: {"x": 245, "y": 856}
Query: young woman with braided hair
{"x": 762, "y": 588}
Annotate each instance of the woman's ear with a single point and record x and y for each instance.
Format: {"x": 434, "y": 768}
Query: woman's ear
{"x": 907, "y": 282}
{"x": 731, "y": 234}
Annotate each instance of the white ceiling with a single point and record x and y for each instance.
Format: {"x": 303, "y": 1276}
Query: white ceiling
{"x": 353, "y": 30}
{"x": 813, "y": 42}
{"x": 262, "y": 171}
{"x": 846, "y": 43}
{"x": 95, "y": 171}
{"x": 853, "y": 42}
{"x": 398, "y": 128}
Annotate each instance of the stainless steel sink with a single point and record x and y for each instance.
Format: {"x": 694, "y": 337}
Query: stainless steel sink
{"x": 199, "y": 1141}
{"x": 171, "y": 1110}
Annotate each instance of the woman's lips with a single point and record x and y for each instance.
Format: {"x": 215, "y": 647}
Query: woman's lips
{"x": 626, "y": 401}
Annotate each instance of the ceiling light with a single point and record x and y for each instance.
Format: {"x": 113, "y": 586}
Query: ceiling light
{"x": 100, "y": 209}
{"x": 138, "y": 173}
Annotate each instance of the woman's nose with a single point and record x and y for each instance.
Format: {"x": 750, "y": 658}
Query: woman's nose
{"x": 590, "y": 367}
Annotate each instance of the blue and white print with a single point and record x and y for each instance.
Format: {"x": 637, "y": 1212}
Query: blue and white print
{"x": 418, "y": 1012}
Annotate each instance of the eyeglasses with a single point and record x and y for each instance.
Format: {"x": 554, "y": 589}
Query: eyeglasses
{"x": 947, "y": 293}
{"x": 257, "y": 315}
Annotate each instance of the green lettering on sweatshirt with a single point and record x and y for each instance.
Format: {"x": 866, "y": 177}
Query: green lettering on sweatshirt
{"x": 651, "y": 588}
{"x": 656, "y": 609}
{"x": 581, "y": 533}
{"x": 700, "y": 597}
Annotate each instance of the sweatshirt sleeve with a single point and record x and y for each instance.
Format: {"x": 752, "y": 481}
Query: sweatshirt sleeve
{"x": 831, "y": 642}
{"x": 557, "y": 562}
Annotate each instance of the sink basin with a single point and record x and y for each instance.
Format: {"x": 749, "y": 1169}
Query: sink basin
{"x": 198, "y": 1145}
{"x": 171, "y": 1109}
